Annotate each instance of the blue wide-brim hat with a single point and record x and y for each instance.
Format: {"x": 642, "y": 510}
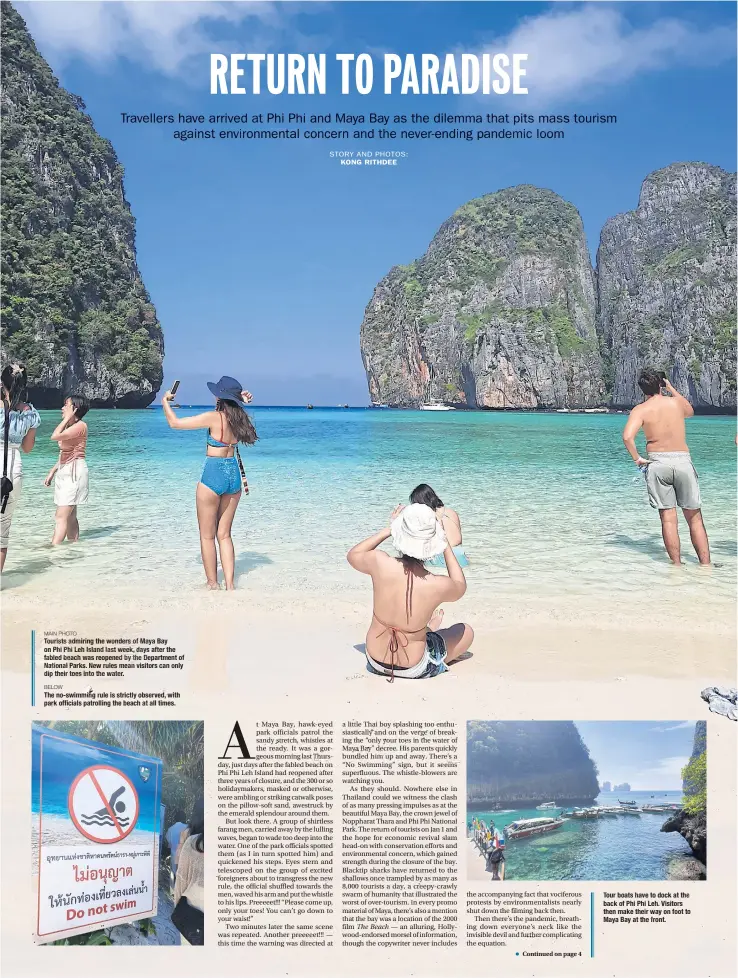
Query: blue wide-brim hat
{"x": 227, "y": 389}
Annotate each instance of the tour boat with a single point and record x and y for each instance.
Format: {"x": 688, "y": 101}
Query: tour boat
{"x": 545, "y": 805}
{"x": 630, "y": 804}
{"x": 436, "y": 407}
{"x": 531, "y": 826}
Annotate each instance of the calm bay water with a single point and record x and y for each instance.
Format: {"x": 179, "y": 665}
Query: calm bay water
{"x": 622, "y": 847}
{"x": 551, "y": 504}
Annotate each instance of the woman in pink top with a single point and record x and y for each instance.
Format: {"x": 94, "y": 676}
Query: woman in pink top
{"x": 72, "y": 478}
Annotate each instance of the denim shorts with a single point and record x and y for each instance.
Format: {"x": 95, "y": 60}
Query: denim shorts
{"x": 432, "y": 664}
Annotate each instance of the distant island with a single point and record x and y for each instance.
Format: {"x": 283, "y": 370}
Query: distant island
{"x": 505, "y": 311}
{"x": 622, "y": 787}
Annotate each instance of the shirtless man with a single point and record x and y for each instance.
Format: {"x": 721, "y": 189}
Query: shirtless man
{"x": 670, "y": 476}
{"x": 405, "y": 637}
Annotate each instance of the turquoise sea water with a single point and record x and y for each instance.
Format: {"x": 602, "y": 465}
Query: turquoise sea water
{"x": 622, "y": 847}
{"x": 551, "y": 504}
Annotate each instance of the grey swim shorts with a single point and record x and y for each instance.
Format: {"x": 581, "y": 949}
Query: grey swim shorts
{"x": 672, "y": 481}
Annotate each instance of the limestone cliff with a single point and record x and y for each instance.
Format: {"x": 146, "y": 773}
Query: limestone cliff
{"x": 505, "y": 311}
{"x": 75, "y": 310}
{"x": 666, "y": 284}
{"x": 527, "y": 762}
{"x": 499, "y": 312}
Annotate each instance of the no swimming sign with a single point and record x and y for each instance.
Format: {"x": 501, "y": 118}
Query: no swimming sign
{"x": 117, "y": 817}
{"x": 96, "y": 811}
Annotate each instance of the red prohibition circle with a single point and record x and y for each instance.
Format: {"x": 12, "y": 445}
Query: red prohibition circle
{"x": 70, "y": 807}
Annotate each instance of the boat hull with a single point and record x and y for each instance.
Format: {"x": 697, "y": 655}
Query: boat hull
{"x": 525, "y": 832}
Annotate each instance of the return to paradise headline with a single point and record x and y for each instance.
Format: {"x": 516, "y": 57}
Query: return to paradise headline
{"x": 406, "y": 74}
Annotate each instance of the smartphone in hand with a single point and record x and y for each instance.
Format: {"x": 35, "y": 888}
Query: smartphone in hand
{"x": 175, "y": 385}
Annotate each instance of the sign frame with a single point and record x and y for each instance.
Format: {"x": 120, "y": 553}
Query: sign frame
{"x": 48, "y": 740}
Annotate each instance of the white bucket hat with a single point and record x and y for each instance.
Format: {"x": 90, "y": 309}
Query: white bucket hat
{"x": 416, "y": 532}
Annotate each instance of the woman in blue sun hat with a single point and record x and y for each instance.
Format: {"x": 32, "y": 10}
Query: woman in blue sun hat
{"x": 223, "y": 479}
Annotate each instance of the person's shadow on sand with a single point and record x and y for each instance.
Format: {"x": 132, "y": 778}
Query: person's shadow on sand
{"x": 726, "y": 548}
{"x": 99, "y": 531}
{"x": 361, "y": 649}
{"x": 20, "y": 574}
{"x": 650, "y": 546}
{"x": 249, "y": 561}
{"x": 653, "y": 547}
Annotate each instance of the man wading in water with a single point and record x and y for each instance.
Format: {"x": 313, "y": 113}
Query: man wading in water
{"x": 671, "y": 478}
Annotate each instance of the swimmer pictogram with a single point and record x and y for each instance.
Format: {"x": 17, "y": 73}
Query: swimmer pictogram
{"x": 103, "y": 804}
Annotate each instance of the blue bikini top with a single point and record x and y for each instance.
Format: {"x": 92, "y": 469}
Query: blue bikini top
{"x": 214, "y": 443}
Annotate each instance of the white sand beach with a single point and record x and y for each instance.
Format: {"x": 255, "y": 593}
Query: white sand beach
{"x": 283, "y": 643}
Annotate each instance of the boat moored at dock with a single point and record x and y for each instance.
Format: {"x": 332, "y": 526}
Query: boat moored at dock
{"x": 525, "y": 827}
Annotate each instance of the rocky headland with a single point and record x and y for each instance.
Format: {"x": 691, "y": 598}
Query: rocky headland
{"x": 75, "y": 310}
{"x": 504, "y": 310}
{"x": 691, "y": 820}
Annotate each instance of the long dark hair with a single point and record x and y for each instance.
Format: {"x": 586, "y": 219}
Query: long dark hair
{"x": 238, "y": 421}
{"x": 15, "y": 381}
{"x": 425, "y": 495}
{"x": 197, "y": 824}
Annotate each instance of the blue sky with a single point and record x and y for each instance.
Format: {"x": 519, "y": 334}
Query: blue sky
{"x": 646, "y": 754}
{"x": 261, "y": 257}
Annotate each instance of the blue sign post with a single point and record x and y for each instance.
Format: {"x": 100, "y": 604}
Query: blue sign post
{"x": 96, "y": 826}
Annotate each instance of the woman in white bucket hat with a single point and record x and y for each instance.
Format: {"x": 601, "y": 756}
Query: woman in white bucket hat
{"x": 404, "y": 638}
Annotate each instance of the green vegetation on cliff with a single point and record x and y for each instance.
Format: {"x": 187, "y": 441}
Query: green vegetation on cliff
{"x": 537, "y": 220}
{"x": 75, "y": 310}
{"x": 499, "y": 312}
{"x": 694, "y": 774}
{"x": 509, "y": 761}
{"x": 505, "y": 296}
{"x": 543, "y": 325}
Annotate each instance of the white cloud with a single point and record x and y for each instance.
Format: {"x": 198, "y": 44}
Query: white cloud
{"x": 579, "y": 52}
{"x": 574, "y": 52}
{"x": 668, "y": 727}
{"x": 164, "y": 34}
{"x": 665, "y": 775}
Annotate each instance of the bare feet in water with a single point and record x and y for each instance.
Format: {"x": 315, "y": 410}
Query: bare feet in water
{"x": 436, "y": 620}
